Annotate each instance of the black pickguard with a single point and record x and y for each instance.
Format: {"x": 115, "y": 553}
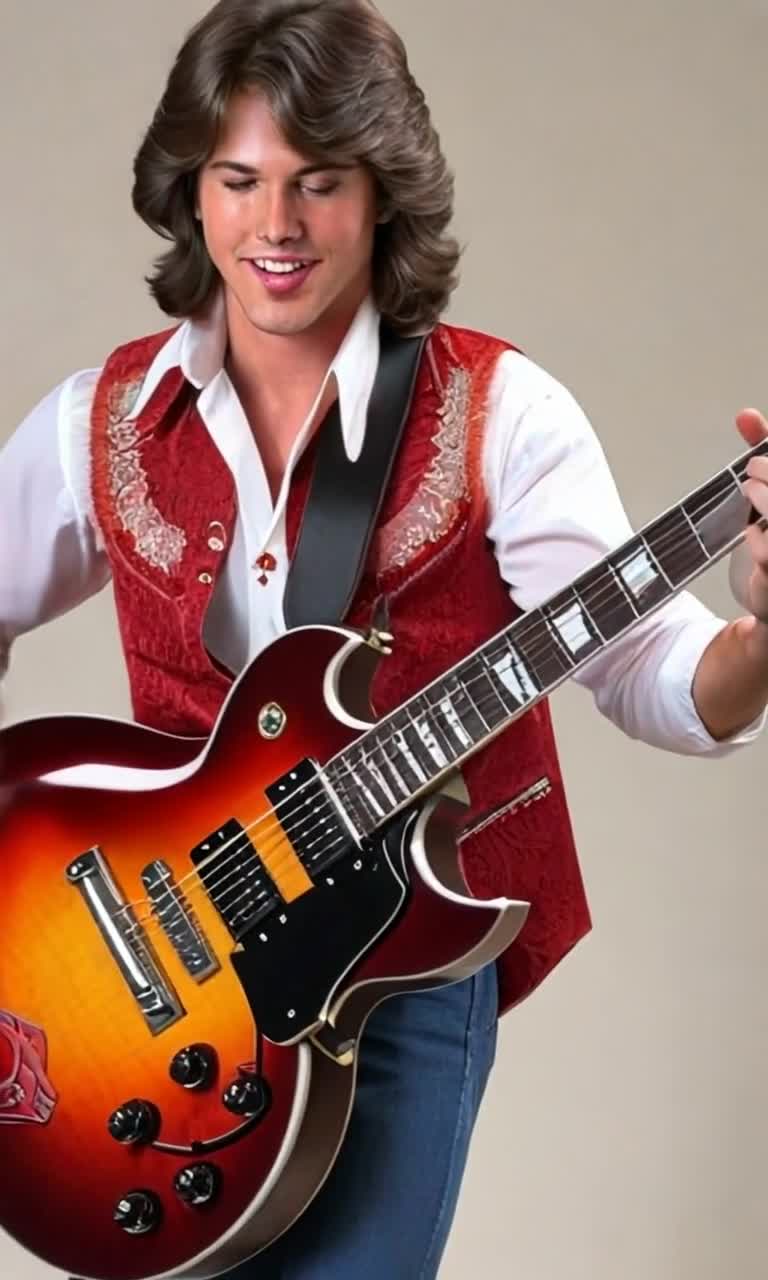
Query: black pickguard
{"x": 292, "y": 961}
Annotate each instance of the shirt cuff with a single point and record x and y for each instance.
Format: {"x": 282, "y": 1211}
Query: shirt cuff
{"x": 678, "y": 674}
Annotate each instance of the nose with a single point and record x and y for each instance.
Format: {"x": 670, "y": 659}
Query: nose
{"x": 279, "y": 218}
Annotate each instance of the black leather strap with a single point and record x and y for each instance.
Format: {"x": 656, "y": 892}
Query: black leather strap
{"x": 345, "y": 497}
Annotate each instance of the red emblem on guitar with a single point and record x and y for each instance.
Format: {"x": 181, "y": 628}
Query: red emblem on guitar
{"x": 26, "y": 1094}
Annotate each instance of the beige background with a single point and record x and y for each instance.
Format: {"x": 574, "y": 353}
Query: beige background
{"x": 612, "y": 193}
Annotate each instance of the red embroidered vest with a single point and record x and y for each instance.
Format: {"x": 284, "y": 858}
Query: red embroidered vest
{"x": 164, "y": 501}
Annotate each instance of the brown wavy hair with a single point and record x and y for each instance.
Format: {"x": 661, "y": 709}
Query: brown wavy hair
{"x": 337, "y": 80}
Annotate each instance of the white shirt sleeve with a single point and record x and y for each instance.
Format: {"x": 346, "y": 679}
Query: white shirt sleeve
{"x": 554, "y": 511}
{"x": 50, "y": 556}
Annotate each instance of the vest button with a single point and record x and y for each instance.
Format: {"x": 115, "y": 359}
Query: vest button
{"x": 216, "y": 544}
{"x": 205, "y": 578}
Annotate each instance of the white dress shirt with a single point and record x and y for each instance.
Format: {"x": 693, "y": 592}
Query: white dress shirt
{"x": 553, "y": 511}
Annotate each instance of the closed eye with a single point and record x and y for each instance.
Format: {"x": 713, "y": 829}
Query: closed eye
{"x": 327, "y": 190}
{"x": 249, "y": 184}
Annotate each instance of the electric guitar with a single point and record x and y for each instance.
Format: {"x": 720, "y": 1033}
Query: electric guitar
{"x": 194, "y": 932}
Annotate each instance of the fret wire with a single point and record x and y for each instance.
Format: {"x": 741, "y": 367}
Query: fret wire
{"x": 354, "y": 803}
{"x": 418, "y": 745}
{"x": 588, "y": 612}
{"x": 423, "y": 715}
{"x": 488, "y": 703}
{"x": 491, "y": 699}
{"x": 740, "y": 465}
{"x": 492, "y": 674}
{"x": 543, "y": 655}
{"x": 371, "y": 784}
{"x": 527, "y": 684}
{"x": 560, "y": 644}
{"x": 387, "y": 764}
{"x": 368, "y": 795}
{"x": 550, "y": 651}
{"x": 624, "y": 589}
{"x": 521, "y": 668}
{"x": 448, "y": 746}
{"x": 655, "y": 560}
{"x": 453, "y": 718}
{"x": 678, "y": 546}
{"x": 384, "y": 786}
{"x": 410, "y": 755}
{"x": 696, "y": 533}
{"x": 459, "y": 693}
{"x": 423, "y": 719}
{"x": 500, "y": 646}
{"x": 726, "y": 514}
{"x": 476, "y": 707}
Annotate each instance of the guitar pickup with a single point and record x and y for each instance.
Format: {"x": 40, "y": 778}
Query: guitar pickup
{"x": 178, "y": 921}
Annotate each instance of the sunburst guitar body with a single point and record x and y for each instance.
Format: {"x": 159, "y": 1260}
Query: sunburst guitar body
{"x": 193, "y": 934}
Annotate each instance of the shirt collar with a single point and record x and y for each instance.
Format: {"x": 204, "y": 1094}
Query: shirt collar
{"x": 198, "y": 348}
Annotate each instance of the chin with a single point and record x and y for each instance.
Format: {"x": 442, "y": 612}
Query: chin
{"x": 295, "y": 315}
{"x": 280, "y": 326}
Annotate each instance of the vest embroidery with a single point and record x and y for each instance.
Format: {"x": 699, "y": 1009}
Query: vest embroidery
{"x": 159, "y": 543}
{"x": 432, "y": 511}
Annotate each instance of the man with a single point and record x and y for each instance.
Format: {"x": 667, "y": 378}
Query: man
{"x": 293, "y": 167}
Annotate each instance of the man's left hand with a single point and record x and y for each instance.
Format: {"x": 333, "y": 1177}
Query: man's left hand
{"x": 754, "y": 428}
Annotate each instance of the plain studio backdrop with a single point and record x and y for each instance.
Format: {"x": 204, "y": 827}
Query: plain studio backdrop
{"x": 612, "y": 195}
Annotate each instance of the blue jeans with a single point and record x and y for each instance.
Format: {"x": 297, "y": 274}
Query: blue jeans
{"x": 387, "y": 1207}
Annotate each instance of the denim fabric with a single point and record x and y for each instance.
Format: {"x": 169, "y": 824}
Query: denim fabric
{"x": 387, "y": 1207}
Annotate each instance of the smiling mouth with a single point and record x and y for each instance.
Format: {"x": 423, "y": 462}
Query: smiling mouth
{"x": 282, "y": 266}
{"x": 282, "y": 277}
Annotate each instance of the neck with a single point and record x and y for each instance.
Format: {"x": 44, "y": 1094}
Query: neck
{"x": 280, "y": 369}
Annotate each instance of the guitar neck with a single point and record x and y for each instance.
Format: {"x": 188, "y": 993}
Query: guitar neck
{"x": 410, "y": 750}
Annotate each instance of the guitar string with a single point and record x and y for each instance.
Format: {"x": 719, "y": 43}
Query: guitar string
{"x": 537, "y": 629}
{"x": 491, "y": 699}
{"x": 543, "y": 630}
{"x": 253, "y": 872}
{"x": 214, "y": 888}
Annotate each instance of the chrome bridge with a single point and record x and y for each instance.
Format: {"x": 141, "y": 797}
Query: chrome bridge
{"x": 178, "y": 921}
{"x": 127, "y": 942}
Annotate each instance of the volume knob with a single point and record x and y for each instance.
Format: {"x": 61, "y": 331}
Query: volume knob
{"x": 135, "y": 1122}
{"x": 195, "y": 1066}
{"x": 249, "y": 1095}
{"x": 138, "y": 1212}
{"x": 197, "y": 1185}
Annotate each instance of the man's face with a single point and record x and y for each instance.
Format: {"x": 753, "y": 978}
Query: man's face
{"x": 292, "y": 242}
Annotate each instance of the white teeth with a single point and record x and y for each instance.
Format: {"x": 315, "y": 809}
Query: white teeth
{"x": 280, "y": 268}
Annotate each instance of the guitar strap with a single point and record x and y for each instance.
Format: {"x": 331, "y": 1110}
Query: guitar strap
{"x": 345, "y": 497}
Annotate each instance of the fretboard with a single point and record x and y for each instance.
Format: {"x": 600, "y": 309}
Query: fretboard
{"x": 410, "y": 750}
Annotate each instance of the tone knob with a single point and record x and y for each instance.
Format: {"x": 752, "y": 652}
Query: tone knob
{"x": 197, "y": 1185}
{"x": 135, "y": 1123}
{"x": 249, "y": 1095}
{"x": 138, "y": 1212}
{"x": 195, "y": 1067}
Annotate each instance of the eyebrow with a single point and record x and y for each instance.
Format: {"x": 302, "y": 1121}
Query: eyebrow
{"x": 308, "y": 169}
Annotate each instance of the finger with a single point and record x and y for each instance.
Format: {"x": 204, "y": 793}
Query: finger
{"x": 757, "y": 493}
{"x": 757, "y": 469}
{"x": 752, "y": 425}
{"x": 757, "y": 541}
